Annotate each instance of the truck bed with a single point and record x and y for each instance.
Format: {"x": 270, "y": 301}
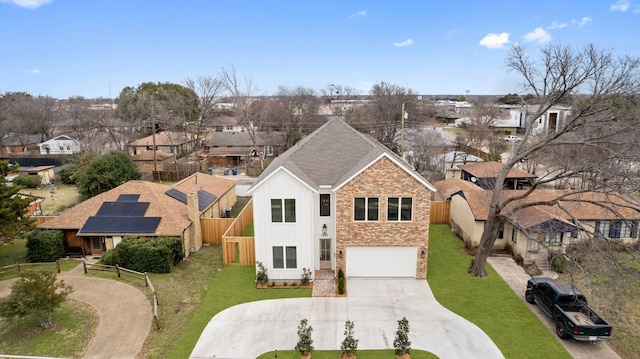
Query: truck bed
{"x": 580, "y": 318}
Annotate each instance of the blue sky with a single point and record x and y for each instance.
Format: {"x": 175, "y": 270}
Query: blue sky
{"x": 94, "y": 48}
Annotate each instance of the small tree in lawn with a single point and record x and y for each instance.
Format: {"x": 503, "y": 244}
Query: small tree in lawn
{"x": 349, "y": 344}
{"x": 36, "y": 294}
{"x": 305, "y": 342}
{"x": 402, "y": 342}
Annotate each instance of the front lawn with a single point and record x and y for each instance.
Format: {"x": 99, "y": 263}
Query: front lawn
{"x": 488, "y": 302}
{"x": 233, "y": 285}
{"x": 16, "y": 252}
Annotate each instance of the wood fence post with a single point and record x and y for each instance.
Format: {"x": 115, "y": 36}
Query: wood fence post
{"x": 84, "y": 266}
{"x": 18, "y": 266}
{"x": 118, "y": 270}
{"x": 58, "y": 266}
{"x": 146, "y": 279}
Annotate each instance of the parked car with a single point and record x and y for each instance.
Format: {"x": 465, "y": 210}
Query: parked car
{"x": 568, "y": 307}
{"x": 511, "y": 138}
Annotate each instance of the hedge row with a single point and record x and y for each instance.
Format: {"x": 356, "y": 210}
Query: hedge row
{"x": 45, "y": 246}
{"x": 142, "y": 254}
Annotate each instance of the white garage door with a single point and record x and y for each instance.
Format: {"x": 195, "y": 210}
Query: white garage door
{"x": 381, "y": 261}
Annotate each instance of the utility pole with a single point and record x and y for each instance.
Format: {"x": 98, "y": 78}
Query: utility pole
{"x": 153, "y": 135}
{"x": 403, "y": 116}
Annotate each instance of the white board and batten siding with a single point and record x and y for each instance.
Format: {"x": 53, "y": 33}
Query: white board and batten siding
{"x": 299, "y": 234}
{"x": 383, "y": 261}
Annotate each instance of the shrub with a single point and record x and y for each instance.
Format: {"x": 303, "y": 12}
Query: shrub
{"x": 306, "y": 276}
{"x": 341, "y": 281}
{"x": 349, "y": 344}
{"x": 29, "y": 181}
{"x": 45, "y": 245}
{"x": 558, "y": 262}
{"x": 305, "y": 342}
{"x": 261, "y": 275}
{"x": 67, "y": 172}
{"x": 401, "y": 343}
{"x": 142, "y": 254}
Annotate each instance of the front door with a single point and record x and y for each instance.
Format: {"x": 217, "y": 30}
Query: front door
{"x": 325, "y": 253}
{"x": 96, "y": 245}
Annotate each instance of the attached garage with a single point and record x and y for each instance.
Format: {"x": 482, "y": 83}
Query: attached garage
{"x": 382, "y": 261}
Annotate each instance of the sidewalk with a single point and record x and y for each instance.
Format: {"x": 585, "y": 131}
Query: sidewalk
{"x": 517, "y": 279}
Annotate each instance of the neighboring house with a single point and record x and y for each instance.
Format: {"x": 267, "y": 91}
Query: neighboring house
{"x": 484, "y": 174}
{"x": 60, "y": 145}
{"x": 340, "y": 199}
{"x": 46, "y": 173}
{"x": 453, "y": 160}
{"x": 166, "y": 141}
{"x": 227, "y": 124}
{"x": 532, "y": 231}
{"x": 147, "y": 161}
{"x": 16, "y": 143}
{"x": 140, "y": 208}
{"x": 549, "y": 122}
{"x": 230, "y": 148}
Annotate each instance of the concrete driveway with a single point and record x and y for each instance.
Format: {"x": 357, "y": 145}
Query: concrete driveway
{"x": 374, "y": 305}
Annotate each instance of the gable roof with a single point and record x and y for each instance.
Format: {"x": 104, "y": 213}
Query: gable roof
{"x": 16, "y": 139}
{"x": 148, "y": 156}
{"x": 242, "y": 139}
{"x": 331, "y": 156}
{"x": 172, "y": 213}
{"x": 491, "y": 169}
{"x": 164, "y": 138}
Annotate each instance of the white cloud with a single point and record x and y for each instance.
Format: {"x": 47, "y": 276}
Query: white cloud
{"x": 404, "y": 43}
{"x": 495, "y": 41}
{"x": 34, "y": 71}
{"x": 538, "y": 35}
{"x": 621, "y": 5}
{"x": 29, "y": 4}
{"x": 361, "y": 13}
{"x": 556, "y": 25}
{"x": 582, "y": 22}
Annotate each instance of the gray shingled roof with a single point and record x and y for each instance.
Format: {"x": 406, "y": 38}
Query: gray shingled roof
{"x": 332, "y": 155}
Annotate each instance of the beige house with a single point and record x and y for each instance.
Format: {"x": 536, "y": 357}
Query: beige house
{"x": 46, "y": 173}
{"x": 339, "y": 199}
{"x": 147, "y": 161}
{"x": 166, "y": 141}
{"x": 141, "y": 208}
{"x": 533, "y": 230}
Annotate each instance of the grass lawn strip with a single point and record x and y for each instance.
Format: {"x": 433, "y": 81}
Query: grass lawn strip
{"x": 362, "y": 354}
{"x": 487, "y": 302}
{"x": 74, "y": 327}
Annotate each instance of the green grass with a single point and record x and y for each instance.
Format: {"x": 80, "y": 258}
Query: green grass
{"x": 16, "y": 252}
{"x": 249, "y": 231}
{"x": 488, "y": 302}
{"x": 74, "y": 323}
{"x": 12, "y": 253}
{"x": 233, "y": 285}
{"x": 333, "y": 354}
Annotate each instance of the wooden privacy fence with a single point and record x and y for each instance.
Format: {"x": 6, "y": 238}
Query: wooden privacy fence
{"x": 439, "y": 212}
{"x": 131, "y": 273}
{"x": 214, "y": 228}
{"x": 236, "y": 249}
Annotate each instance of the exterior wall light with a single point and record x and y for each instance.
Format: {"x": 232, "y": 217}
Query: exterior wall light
{"x": 340, "y": 254}
{"x": 324, "y": 230}
{"x": 423, "y": 254}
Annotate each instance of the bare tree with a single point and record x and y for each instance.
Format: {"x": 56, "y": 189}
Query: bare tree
{"x": 246, "y": 109}
{"x": 208, "y": 88}
{"x": 601, "y": 130}
{"x": 340, "y": 98}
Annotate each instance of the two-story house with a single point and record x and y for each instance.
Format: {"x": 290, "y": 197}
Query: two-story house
{"x": 340, "y": 199}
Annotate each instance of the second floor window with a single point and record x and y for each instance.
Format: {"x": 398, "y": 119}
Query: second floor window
{"x": 365, "y": 209}
{"x": 325, "y": 205}
{"x": 399, "y": 209}
{"x": 283, "y": 209}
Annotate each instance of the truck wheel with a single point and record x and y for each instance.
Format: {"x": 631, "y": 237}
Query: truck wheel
{"x": 528, "y": 296}
{"x": 561, "y": 330}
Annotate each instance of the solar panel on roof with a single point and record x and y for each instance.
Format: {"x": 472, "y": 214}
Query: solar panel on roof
{"x": 176, "y": 194}
{"x": 126, "y": 209}
{"x": 128, "y": 198}
{"x": 205, "y": 199}
{"x": 120, "y": 225}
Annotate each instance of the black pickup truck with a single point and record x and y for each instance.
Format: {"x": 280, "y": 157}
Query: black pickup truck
{"x": 568, "y": 307}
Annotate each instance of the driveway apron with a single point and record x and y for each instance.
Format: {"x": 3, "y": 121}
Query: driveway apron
{"x": 374, "y": 305}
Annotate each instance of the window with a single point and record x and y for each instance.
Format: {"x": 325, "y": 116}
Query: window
{"x": 229, "y": 128}
{"x": 288, "y": 211}
{"x": 514, "y": 235}
{"x": 268, "y": 151}
{"x": 365, "y": 209}
{"x": 500, "y": 234}
{"x": 617, "y": 229}
{"x": 553, "y": 239}
{"x": 325, "y": 205}
{"x": 285, "y": 257}
{"x": 399, "y": 209}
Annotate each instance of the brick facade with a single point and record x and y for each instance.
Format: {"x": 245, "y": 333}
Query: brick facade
{"x": 383, "y": 179}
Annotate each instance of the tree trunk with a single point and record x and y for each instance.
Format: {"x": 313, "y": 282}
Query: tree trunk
{"x": 489, "y": 234}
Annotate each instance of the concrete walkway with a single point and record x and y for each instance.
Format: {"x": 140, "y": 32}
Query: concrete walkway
{"x": 125, "y": 315}
{"x": 374, "y": 305}
{"x": 517, "y": 279}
